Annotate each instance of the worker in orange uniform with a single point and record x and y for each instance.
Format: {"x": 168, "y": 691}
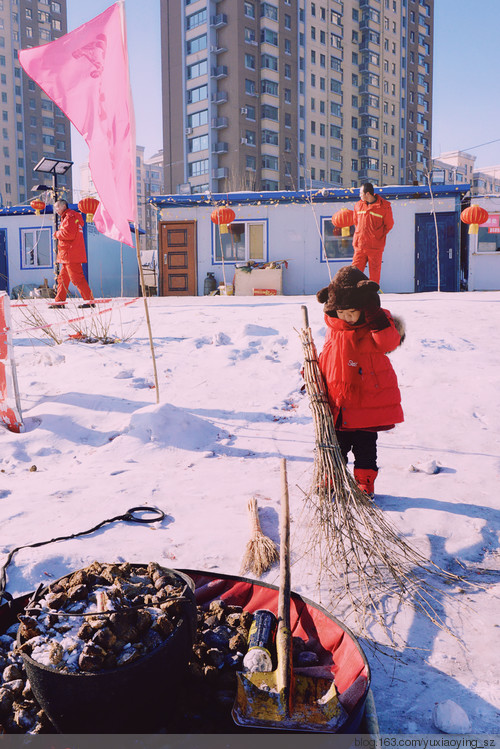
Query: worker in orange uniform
{"x": 373, "y": 221}
{"x": 70, "y": 254}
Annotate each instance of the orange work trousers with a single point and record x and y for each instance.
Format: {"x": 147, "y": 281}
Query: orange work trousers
{"x": 72, "y": 273}
{"x": 374, "y": 260}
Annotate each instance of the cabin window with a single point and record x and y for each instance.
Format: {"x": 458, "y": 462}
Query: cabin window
{"x": 334, "y": 245}
{"x": 245, "y": 240}
{"x": 488, "y": 238}
{"x": 36, "y": 248}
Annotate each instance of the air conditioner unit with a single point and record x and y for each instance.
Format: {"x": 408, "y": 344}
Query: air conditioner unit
{"x": 213, "y": 48}
{"x": 244, "y": 110}
{"x": 243, "y": 141}
{"x": 189, "y": 130}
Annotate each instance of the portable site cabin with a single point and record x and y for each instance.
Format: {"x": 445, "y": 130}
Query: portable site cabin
{"x": 27, "y": 255}
{"x": 294, "y": 231}
{"x": 484, "y": 248}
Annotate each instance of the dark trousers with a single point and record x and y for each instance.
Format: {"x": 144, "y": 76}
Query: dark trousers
{"x": 363, "y": 446}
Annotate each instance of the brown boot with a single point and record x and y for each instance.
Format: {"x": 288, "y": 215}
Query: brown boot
{"x": 365, "y": 479}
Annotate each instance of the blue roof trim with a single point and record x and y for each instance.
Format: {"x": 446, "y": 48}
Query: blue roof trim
{"x": 325, "y": 195}
{"x": 26, "y": 210}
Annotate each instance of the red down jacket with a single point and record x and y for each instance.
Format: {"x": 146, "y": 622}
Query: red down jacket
{"x": 70, "y": 241}
{"x": 377, "y": 400}
{"x": 373, "y": 222}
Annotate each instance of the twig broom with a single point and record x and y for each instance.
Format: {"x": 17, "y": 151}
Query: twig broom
{"x": 357, "y": 548}
{"x": 261, "y": 551}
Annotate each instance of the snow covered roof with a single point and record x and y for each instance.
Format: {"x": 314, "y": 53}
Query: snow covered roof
{"x": 324, "y": 195}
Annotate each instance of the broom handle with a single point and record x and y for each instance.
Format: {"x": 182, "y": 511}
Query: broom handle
{"x": 305, "y": 317}
{"x": 254, "y": 516}
{"x": 284, "y": 635}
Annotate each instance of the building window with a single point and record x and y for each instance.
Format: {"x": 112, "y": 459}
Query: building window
{"x": 288, "y": 47}
{"x": 268, "y": 112}
{"x": 269, "y": 36}
{"x": 334, "y": 245}
{"x": 288, "y": 71}
{"x": 250, "y": 137}
{"x": 268, "y": 11}
{"x": 249, "y": 35}
{"x": 197, "y": 94}
{"x": 196, "y": 19}
{"x": 196, "y": 44}
{"x": 197, "y": 69}
{"x": 195, "y": 168}
{"x": 269, "y": 61}
{"x": 270, "y": 162}
{"x": 198, "y": 144}
{"x": 245, "y": 241}
{"x": 36, "y": 248}
{"x": 269, "y": 87}
{"x": 250, "y": 62}
{"x": 249, "y": 87}
{"x": 269, "y": 136}
{"x": 249, "y": 9}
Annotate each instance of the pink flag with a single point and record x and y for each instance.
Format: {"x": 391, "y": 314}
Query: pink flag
{"x": 85, "y": 72}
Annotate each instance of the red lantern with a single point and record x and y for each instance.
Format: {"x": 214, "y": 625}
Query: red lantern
{"x": 223, "y": 216}
{"x": 343, "y": 219}
{"x": 88, "y": 206}
{"x": 474, "y": 215}
{"x": 37, "y": 205}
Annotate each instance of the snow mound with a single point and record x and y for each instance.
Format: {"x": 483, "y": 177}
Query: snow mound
{"x": 429, "y": 466}
{"x": 450, "y": 717}
{"x": 258, "y": 330}
{"x": 174, "y": 427}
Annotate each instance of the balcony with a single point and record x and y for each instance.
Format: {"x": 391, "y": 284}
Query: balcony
{"x": 219, "y": 72}
{"x": 218, "y": 21}
{"x": 216, "y": 50}
{"x": 220, "y": 147}
{"x": 219, "y": 122}
{"x": 220, "y": 97}
{"x": 221, "y": 172}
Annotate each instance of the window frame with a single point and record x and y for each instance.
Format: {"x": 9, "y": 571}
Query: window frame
{"x": 33, "y": 231}
{"x": 245, "y": 256}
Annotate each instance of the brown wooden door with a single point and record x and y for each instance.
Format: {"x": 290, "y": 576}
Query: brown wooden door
{"x": 178, "y": 258}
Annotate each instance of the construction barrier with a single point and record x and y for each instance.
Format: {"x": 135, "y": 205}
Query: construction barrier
{"x": 10, "y": 407}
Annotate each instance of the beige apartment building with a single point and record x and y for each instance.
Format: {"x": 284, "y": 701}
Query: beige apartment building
{"x": 149, "y": 183}
{"x": 290, "y": 94}
{"x": 32, "y": 126}
{"x": 455, "y": 167}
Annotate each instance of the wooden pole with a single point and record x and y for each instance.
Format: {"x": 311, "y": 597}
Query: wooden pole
{"x": 284, "y": 635}
{"x": 146, "y": 310}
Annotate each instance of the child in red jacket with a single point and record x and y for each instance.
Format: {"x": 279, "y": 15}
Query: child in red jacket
{"x": 362, "y": 386}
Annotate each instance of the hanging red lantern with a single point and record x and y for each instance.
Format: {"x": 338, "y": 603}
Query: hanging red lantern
{"x": 343, "y": 219}
{"x": 474, "y": 215}
{"x": 88, "y": 206}
{"x": 37, "y": 205}
{"x": 223, "y": 216}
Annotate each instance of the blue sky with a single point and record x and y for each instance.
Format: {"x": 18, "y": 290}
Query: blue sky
{"x": 466, "y": 74}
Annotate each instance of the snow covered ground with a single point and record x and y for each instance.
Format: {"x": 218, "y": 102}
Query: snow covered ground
{"x": 230, "y": 407}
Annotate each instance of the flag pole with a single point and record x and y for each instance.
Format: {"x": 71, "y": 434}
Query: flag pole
{"x": 146, "y": 309}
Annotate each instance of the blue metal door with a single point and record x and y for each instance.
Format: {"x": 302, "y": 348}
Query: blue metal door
{"x": 426, "y": 276}
{"x": 4, "y": 278}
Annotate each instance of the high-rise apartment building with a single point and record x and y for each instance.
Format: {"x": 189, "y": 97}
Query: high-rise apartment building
{"x": 32, "y": 126}
{"x": 286, "y": 94}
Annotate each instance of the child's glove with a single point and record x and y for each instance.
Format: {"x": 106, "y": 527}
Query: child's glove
{"x": 376, "y": 318}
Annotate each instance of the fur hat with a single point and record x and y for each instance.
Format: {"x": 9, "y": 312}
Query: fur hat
{"x": 349, "y": 289}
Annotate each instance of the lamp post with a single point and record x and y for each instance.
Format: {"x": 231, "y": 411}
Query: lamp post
{"x": 53, "y": 166}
